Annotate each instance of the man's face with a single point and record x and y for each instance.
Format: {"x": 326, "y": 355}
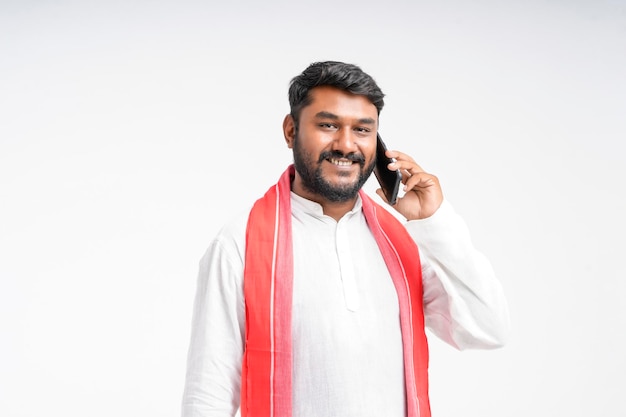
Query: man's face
{"x": 334, "y": 145}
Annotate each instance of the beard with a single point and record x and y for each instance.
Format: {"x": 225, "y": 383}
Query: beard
{"x": 310, "y": 171}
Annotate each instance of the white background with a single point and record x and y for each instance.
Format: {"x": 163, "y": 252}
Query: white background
{"x": 131, "y": 131}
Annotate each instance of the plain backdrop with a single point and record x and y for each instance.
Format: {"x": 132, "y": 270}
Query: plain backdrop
{"x": 131, "y": 131}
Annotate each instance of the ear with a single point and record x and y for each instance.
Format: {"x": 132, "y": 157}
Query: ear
{"x": 289, "y": 130}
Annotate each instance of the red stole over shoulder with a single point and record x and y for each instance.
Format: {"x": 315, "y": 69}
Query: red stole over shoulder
{"x": 266, "y": 384}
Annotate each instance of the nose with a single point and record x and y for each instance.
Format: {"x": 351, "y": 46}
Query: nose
{"x": 345, "y": 141}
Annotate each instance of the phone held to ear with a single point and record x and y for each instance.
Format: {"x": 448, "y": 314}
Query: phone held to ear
{"x": 389, "y": 180}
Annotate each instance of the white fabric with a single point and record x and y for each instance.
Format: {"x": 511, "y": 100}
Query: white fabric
{"x": 346, "y": 335}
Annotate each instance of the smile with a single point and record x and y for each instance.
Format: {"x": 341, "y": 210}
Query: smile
{"x": 340, "y": 162}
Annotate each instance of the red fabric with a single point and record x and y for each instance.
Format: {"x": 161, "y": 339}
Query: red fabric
{"x": 266, "y": 388}
{"x": 402, "y": 259}
{"x": 268, "y": 278}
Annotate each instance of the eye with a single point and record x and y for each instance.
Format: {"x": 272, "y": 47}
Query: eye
{"x": 327, "y": 126}
{"x": 363, "y": 130}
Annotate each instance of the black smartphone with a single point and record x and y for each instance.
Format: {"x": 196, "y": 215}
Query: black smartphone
{"x": 389, "y": 180}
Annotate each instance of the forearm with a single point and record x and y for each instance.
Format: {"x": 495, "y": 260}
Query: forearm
{"x": 464, "y": 303}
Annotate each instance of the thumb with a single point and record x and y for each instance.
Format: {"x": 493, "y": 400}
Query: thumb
{"x": 381, "y": 195}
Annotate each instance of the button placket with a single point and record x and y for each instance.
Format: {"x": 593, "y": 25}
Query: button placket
{"x": 346, "y": 266}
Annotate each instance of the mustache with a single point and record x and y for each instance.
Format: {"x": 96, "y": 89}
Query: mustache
{"x": 352, "y": 156}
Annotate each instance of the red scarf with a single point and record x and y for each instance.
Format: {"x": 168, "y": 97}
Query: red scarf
{"x": 266, "y": 383}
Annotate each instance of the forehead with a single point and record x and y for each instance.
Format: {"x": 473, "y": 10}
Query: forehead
{"x": 339, "y": 102}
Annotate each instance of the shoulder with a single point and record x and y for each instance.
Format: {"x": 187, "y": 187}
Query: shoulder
{"x": 230, "y": 241}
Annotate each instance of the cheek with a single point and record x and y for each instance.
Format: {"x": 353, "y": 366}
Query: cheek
{"x": 313, "y": 141}
{"x": 369, "y": 150}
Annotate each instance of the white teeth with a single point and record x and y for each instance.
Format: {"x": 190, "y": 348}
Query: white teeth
{"x": 340, "y": 162}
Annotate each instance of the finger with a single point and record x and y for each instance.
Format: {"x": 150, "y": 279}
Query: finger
{"x": 405, "y": 176}
{"x": 399, "y": 155}
{"x": 420, "y": 180}
{"x": 408, "y": 169}
{"x": 404, "y": 163}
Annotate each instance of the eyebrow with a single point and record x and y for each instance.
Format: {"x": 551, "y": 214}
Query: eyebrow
{"x": 332, "y": 116}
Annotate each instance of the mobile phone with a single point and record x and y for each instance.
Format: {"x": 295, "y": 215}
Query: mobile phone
{"x": 389, "y": 180}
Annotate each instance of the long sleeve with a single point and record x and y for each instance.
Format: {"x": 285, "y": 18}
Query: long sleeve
{"x": 464, "y": 303}
{"x": 213, "y": 380}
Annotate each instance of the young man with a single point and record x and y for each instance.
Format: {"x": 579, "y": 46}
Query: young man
{"x": 315, "y": 303}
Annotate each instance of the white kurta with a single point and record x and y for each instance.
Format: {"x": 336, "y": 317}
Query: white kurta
{"x": 347, "y": 346}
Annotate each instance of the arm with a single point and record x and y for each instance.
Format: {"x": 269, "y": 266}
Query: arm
{"x": 463, "y": 302}
{"x": 213, "y": 380}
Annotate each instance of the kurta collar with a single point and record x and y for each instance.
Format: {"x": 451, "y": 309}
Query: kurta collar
{"x": 301, "y": 205}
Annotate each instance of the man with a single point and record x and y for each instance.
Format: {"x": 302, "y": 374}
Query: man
{"x": 314, "y": 304}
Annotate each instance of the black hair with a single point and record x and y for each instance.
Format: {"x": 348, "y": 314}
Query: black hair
{"x": 347, "y": 77}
